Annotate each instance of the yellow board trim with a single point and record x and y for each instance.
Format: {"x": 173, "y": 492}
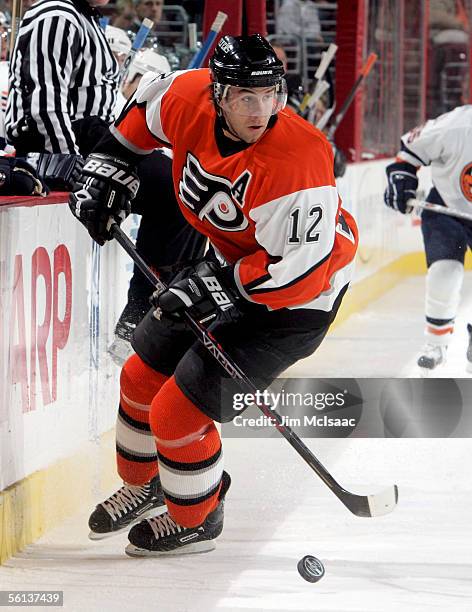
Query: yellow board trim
{"x": 364, "y": 292}
{"x": 41, "y": 501}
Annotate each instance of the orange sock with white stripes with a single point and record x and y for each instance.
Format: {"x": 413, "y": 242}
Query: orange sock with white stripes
{"x": 136, "y": 454}
{"x": 190, "y": 455}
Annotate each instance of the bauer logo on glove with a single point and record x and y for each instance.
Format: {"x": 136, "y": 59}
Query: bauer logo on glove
{"x": 204, "y": 291}
{"x": 102, "y": 194}
{"x": 113, "y": 171}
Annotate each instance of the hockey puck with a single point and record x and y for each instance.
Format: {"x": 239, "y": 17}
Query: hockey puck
{"x": 310, "y": 568}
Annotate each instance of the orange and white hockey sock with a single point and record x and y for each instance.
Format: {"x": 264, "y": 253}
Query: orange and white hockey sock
{"x": 190, "y": 455}
{"x": 136, "y": 454}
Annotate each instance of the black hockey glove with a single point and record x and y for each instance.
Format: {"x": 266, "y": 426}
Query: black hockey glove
{"x": 17, "y": 177}
{"x": 58, "y": 170}
{"x": 102, "y": 194}
{"x": 402, "y": 186}
{"x": 205, "y": 291}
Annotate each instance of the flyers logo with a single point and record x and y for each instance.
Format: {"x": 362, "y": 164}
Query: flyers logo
{"x": 466, "y": 182}
{"x": 214, "y": 198}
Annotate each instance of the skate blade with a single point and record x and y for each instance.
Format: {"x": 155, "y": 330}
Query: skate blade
{"x": 190, "y": 549}
{"x": 94, "y": 535}
{"x": 120, "y": 351}
{"x": 425, "y": 372}
{"x": 430, "y": 372}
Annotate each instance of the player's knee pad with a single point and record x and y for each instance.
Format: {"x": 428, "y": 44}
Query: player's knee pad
{"x": 190, "y": 457}
{"x": 443, "y": 289}
{"x": 175, "y": 420}
{"x": 139, "y": 383}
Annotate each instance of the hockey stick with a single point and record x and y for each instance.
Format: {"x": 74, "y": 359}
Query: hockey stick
{"x": 192, "y": 37}
{"x": 104, "y": 22}
{"x": 16, "y": 16}
{"x": 377, "y": 504}
{"x": 94, "y": 340}
{"x": 437, "y": 208}
{"x": 199, "y": 57}
{"x": 348, "y": 101}
{"x": 138, "y": 42}
{"x": 309, "y": 100}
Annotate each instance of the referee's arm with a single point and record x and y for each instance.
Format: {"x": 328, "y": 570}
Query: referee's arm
{"x": 48, "y": 55}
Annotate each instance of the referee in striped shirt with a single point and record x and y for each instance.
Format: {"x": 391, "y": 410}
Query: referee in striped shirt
{"x": 63, "y": 79}
{"x": 63, "y": 84}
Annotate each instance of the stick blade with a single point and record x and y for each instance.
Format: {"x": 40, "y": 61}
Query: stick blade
{"x": 383, "y": 502}
{"x": 378, "y": 504}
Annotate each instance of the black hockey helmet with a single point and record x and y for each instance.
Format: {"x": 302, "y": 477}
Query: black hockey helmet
{"x": 246, "y": 61}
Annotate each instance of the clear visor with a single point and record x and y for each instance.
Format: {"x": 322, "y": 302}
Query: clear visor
{"x": 252, "y": 101}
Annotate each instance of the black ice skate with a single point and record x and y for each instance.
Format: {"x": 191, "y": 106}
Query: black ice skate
{"x": 120, "y": 349}
{"x": 162, "y": 536}
{"x": 432, "y": 356}
{"x": 127, "y": 506}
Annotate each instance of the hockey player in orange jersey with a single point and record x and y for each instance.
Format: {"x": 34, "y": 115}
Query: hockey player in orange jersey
{"x": 258, "y": 181}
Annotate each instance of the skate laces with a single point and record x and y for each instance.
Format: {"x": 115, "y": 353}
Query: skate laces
{"x": 164, "y": 525}
{"x": 127, "y": 498}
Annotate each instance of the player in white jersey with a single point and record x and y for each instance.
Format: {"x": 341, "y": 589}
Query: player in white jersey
{"x": 145, "y": 60}
{"x": 445, "y": 144}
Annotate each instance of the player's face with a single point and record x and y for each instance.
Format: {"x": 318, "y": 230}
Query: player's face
{"x": 152, "y": 9}
{"x": 248, "y": 110}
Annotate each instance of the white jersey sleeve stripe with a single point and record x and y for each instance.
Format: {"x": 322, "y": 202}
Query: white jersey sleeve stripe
{"x": 298, "y": 231}
{"x": 151, "y": 90}
{"x": 126, "y": 143}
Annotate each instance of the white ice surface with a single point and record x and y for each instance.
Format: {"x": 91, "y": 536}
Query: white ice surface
{"x": 384, "y": 339}
{"x": 419, "y": 558}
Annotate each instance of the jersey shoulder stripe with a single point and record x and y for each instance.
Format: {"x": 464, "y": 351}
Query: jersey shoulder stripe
{"x": 162, "y": 101}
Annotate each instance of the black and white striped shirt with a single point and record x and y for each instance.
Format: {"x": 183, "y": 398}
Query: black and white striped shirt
{"x": 62, "y": 70}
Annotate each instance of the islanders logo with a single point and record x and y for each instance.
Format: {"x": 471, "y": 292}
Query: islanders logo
{"x": 466, "y": 182}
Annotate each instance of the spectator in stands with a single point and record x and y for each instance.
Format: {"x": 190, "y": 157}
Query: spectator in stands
{"x": 126, "y": 15}
{"x": 150, "y": 9}
{"x": 299, "y": 17}
{"x": 157, "y": 39}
